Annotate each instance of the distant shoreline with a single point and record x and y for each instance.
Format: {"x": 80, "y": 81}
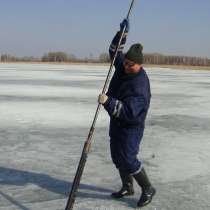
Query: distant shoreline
{"x": 185, "y": 67}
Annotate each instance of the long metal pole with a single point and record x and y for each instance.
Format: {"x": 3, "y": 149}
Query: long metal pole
{"x": 87, "y": 144}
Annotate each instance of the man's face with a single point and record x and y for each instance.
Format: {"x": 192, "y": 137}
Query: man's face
{"x": 131, "y": 67}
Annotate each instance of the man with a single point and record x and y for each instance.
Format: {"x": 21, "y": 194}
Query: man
{"x": 127, "y": 102}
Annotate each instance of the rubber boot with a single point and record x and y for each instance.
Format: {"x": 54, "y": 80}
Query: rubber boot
{"x": 148, "y": 191}
{"x": 127, "y": 185}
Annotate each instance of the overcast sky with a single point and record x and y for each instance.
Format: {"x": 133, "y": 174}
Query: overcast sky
{"x": 86, "y": 27}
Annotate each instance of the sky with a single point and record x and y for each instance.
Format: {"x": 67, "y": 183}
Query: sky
{"x": 85, "y": 28}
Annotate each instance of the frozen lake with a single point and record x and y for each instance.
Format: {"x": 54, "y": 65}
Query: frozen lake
{"x": 45, "y": 115}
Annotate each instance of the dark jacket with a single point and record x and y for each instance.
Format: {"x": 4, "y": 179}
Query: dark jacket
{"x": 128, "y": 98}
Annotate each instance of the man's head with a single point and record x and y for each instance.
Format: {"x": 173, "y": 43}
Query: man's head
{"x": 133, "y": 59}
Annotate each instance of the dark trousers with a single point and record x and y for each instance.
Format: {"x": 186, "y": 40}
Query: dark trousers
{"x": 124, "y": 153}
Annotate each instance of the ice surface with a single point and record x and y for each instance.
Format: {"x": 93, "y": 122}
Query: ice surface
{"x": 45, "y": 114}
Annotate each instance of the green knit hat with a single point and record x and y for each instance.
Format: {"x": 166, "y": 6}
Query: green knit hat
{"x": 135, "y": 53}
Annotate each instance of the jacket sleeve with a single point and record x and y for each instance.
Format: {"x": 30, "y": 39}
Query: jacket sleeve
{"x": 128, "y": 111}
{"x": 113, "y": 48}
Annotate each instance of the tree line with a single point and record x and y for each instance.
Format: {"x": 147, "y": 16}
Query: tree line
{"x": 175, "y": 60}
{"x": 155, "y": 58}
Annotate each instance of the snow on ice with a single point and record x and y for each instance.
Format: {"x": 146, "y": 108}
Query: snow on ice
{"x": 45, "y": 115}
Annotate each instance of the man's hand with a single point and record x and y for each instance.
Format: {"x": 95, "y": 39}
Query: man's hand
{"x": 102, "y": 98}
{"x": 125, "y": 24}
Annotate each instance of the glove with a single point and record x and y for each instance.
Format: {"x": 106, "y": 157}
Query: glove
{"x": 102, "y": 98}
{"x": 125, "y": 23}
